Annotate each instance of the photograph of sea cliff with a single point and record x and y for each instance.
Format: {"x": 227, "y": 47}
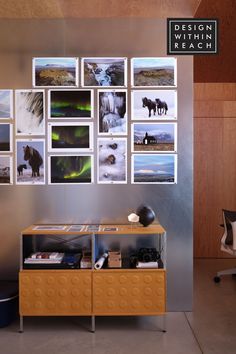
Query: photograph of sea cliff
{"x": 153, "y": 72}
{"x": 6, "y": 107}
{"x": 154, "y": 168}
{"x": 61, "y": 72}
{"x": 5, "y": 170}
{"x": 103, "y": 72}
{"x": 70, "y": 104}
{"x": 5, "y": 137}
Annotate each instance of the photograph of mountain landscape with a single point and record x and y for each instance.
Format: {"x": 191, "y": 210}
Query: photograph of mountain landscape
{"x": 158, "y": 137}
{"x": 70, "y": 104}
{"x": 70, "y": 137}
{"x": 104, "y": 72}
{"x": 30, "y": 112}
{"x": 61, "y": 72}
{"x": 6, "y": 106}
{"x": 70, "y": 169}
{"x": 153, "y": 104}
{"x": 5, "y": 137}
{"x": 152, "y": 72}
{"x": 112, "y": 160}
{"x": 5, "y": 170}
{"x": 154, "y": 168}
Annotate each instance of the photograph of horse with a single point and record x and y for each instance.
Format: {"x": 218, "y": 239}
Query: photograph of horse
{"x": 30, "y": 161}
{"x": 153, "y": 104}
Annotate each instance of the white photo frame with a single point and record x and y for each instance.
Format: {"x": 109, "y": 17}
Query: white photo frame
{"x": 98, "y": 77}
{"x": 145, "y": 105}
{"x": 143, "y": 165}
{"x": 6, "y": 104}
{"x": 67, "y": 128}
{"x": 70, "y": 112}
{"x": 112, "y": 161}
{"x": 43, "y": 66}
{"x": 6, "y": 138}
{"x": 112, "y": 106}
{"x": 30, "y": 112}
{"x": 26, "y": 171}
{"x": 166, "y": 77}
{"x": 6, "y": 170}
{"x": 154, "y": 137}
{"x": 62, "y": 180}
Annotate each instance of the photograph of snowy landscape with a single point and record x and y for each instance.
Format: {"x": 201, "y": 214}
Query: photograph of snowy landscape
{"x": 6, "y": 104}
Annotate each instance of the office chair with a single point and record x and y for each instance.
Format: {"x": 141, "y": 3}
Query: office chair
{"x": 228, "y": 241}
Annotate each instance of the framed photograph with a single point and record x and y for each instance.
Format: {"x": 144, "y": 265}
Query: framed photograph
{"x": 154, "y": 72}
{"x": 106, "y": 72}
{"x": 5, "y": 137}
{"x": 30, "y": 112}
{"x": 70, "y": 169}
{"x": 112, "y": 112}
{"x": 30, "y": 161}
{"x": 6, "y": 175}
{"x": 70, "y": 104}
{"x": 55, "y": 72}
{"x": 154, "y": 137}
{"x": 6, "y": 104}
{"x": 154, "y": 169}
{"x": 70, "y": 137}
{"x": 153, "y": 105}
{"x": 112, "y": 160}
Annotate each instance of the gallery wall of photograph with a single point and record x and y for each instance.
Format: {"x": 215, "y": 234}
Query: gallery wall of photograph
{"x": 47, "y": 133}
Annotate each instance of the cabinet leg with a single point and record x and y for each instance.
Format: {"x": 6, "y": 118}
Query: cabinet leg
{"x": 21, "y": 329}
{"x": 93, "y": 324}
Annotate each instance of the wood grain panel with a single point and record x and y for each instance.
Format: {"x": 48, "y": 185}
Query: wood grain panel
{"x": 215, "y": 91}
{"x": 214, "y": 109}
{"x": 97, "y": 8}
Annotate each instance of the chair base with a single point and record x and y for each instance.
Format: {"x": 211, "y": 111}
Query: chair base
{"x": 231, "y": 271}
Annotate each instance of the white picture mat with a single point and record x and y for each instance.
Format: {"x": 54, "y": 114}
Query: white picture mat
{"x": 10, "y": 137}
{"x": 17, "y": 98}
{"x": 11, "y": 169}
{"x": 74, "y": 90}
{"x": 77, "y": 183}
{"x": 175, "y": 169}
{"x": 56, "y": 58}
{"x": 50, "y": 227}
{"x": 157, "y": 151}
{"x": 10, "y": 103}
{"x": 125, "y": 59}
{"x": 54, "y": 124}
{"x": 28, "y": 141}
{"x": 125, "y": 117}
{"x": 154, "y": 86}
{"x": 153, "y": 93}
{"x": 111, "y": 141}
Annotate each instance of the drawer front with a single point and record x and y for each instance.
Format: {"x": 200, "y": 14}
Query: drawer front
{"x": 134, "y": 292}
{"x": 55, "y": 293}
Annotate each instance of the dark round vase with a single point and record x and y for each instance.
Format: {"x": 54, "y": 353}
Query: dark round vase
{"x": 146, "y": 215}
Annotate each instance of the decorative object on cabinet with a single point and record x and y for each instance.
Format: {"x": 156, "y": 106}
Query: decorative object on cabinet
{"x": 146, "y": 215}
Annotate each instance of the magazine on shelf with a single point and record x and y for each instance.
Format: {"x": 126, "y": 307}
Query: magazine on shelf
{"x": 44, "y": 258}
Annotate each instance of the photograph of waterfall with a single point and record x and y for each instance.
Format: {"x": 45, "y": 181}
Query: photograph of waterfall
{"x": 154, "y": 72}
{"x": 153, "y": 105}
{"x": 154, "y": 137}
{"x": 154, "y": 168}
{"x": 112, "y": 160}
{"x": 5, "y": 137}
{"x": 112, "y": 110}
{"x": 6, "y": 104}
{"x": 30, "y": 166}
{"x": 6, "y": 170}
{"x": 70, "y": 169}
{"x": 49, "y": 72}
{"x": 30, "y": 112}
{"x": 70, "y": 104}
{"x": 105, "y": 72}
{"x": 70, "y": 137}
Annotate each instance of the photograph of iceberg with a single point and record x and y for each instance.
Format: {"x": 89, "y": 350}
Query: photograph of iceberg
{"x": 5, "y": 170}
{"x": 153, "y": 72}
{"x": 6, "y": 108}
{"x": 5, "y": 137}
{"x": 61, "y": 72}
{"x": 154, "y": 168}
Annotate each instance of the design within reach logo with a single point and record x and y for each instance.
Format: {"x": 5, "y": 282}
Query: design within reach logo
{"x": 192, "y": 36}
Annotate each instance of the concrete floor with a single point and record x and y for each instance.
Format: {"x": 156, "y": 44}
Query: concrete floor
{"x": 210, "y": 328}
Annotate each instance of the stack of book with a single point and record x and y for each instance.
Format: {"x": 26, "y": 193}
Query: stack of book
{"x": 44, "y": 258}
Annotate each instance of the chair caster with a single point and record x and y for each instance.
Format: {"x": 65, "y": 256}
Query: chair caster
{"x": 163, "y": 331}
{"x": 217, "y": 279}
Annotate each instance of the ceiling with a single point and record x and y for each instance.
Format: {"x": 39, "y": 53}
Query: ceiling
{"x": 50, "y": 9}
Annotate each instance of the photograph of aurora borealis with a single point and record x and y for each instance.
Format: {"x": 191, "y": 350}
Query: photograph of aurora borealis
{"x": 70, "y": 169}
{"x": 70, "y": 104}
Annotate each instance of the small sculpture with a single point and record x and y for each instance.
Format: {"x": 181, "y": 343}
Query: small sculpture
{"x": 146, "y": 215}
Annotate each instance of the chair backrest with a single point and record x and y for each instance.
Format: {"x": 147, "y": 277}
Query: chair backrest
{"x": 228, "y": 241}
